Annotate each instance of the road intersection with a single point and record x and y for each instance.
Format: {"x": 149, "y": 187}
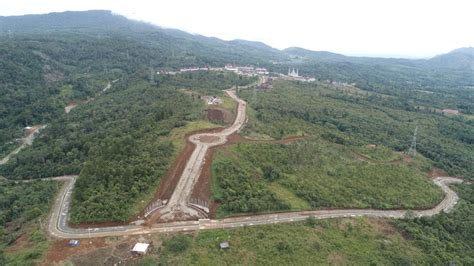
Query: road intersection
{"x": 178, "y": 204}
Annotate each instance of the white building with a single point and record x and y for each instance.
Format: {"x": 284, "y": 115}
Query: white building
{"x": 293, "y": 73}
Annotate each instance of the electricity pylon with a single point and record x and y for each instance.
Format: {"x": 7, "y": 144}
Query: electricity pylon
{"x": 412, "y": 150}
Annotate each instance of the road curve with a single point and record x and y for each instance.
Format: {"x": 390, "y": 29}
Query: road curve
{"x": 58, "y": 222}
{"x": 177, "y": 207}
{"x": 58, "y": 225}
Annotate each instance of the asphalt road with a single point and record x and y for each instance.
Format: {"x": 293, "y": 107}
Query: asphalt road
{"x": 58, "y": 226}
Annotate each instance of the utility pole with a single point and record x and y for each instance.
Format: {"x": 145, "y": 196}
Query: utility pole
{"x": 412, "y": 150}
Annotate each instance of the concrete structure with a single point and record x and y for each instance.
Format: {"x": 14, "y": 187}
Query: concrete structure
{"x": 140, "y": 248}
{"x": 224, "y": 245}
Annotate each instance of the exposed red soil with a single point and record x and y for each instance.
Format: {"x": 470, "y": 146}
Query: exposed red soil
{"x": 169, "y": 181}
{"x": 220, "y": 115}
{"x": 20, "y": 243}
{"x": 208, "y": 139}
{"x": 60, "y": 250}
{"x": 435, "y": 172}
{"x": 202, "y": 188}
{"x": 215, "y": 115}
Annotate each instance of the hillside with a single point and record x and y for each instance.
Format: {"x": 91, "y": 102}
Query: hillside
{"x": 338, "y": 142}
{"x": 461, "y": 58}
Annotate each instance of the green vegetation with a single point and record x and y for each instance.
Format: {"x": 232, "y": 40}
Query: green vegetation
{"x": 358, "y": 120}
{"x": 23, "y": 207}
{"x": 357, "y": 241}
{"x": 446, "y": 238}
{"x": 315, "y": 173}
{"x": 120, "y": 143}
{"x": 178, "y": 243}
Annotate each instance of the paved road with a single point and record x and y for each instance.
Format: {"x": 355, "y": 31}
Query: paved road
{"x": 58, "y": 226}
{"x": 26, "y": 141}
{"x": 177, "y": 207}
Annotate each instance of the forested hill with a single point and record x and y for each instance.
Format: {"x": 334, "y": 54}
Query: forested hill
{"x": 189, "y": 48}
{"x": 49, "y": 60}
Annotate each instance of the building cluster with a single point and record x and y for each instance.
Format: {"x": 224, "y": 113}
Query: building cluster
{"x": 247, "y": 70}
{"x": 240, "y": 70}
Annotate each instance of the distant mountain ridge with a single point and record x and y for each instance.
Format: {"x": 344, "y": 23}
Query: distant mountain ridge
{"x": 97, "y": 20}
{"x": 461, "y": 58}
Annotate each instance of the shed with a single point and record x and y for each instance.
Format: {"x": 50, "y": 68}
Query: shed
{"x": 224, "y": 245}
{"x": 74, "y": 243}
{"x": 140, "y": 248}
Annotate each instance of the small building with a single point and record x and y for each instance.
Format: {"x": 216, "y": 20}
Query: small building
{"x": 140, "y": 248}
{"x": 224, "y": 245}
{"x": 450, "y": 111}
{"x": 74, "y": 243}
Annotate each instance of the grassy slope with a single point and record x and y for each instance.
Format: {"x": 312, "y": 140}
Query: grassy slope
{"x": 360, "y": 119}
{"x": 358, "y": 241}
{"x": 318, "y": 174}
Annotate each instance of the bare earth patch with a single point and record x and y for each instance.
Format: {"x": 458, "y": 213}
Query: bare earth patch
{"x": 60, "y": 250}
{"x": 208, "y": 139}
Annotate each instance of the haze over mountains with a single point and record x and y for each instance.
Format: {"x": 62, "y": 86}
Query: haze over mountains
{"x": 237, "y": 51}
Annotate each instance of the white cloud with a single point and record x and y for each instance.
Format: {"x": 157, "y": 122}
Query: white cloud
{"x": 408, "y": 28}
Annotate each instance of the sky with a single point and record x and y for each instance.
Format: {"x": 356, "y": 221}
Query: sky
{"x": 388, "y": 28}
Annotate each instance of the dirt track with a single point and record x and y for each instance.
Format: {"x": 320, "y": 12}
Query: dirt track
{"x": 59, "y": 228}
{"x": 58, "y": 223}
{"x": 179, "y": 206}
{"x": 26, "y": 141}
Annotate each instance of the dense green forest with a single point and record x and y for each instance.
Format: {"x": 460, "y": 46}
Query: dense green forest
{"x": 356, "y": 118}
{"x": 23, "y": 207}
{"x": 119, "y": 143}
{"x": 446, "y": 238}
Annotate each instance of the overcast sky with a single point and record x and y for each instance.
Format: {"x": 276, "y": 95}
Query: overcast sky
{"x": 415, "y": 28}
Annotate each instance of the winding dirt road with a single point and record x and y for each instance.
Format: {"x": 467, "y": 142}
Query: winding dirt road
{"x": 178, "y": 203}
{"x": 178, "y": 207}
{"x": 26, "y": 141}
